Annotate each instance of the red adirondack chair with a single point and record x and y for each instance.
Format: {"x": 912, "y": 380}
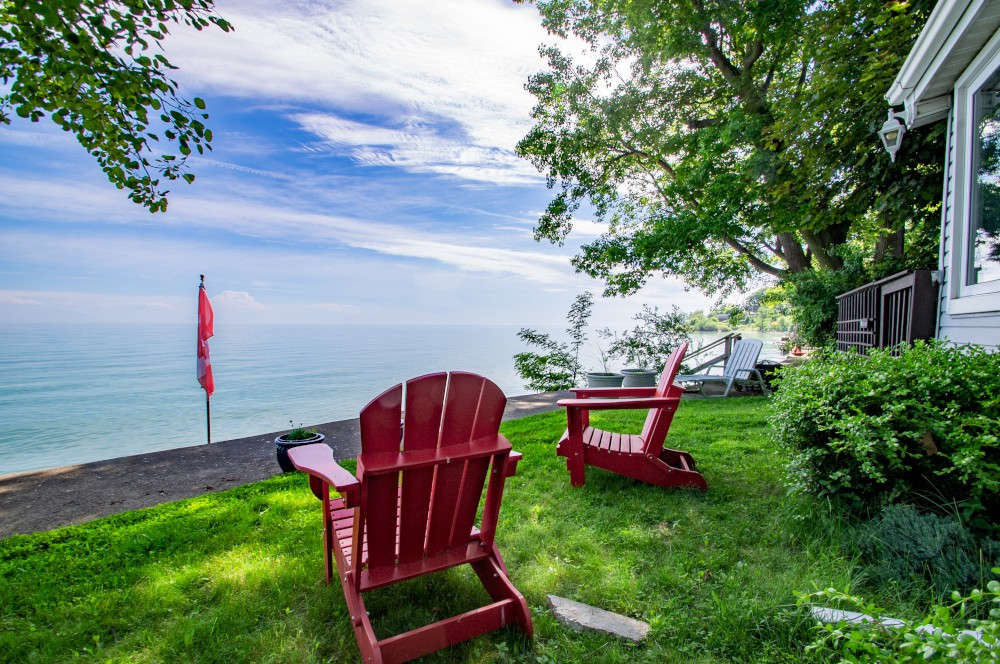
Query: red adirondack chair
{"x": 641, "y": 457}
{"x": 411, "y": 510}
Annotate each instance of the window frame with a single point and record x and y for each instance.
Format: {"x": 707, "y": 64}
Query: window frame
{"x": 965, "y": 297}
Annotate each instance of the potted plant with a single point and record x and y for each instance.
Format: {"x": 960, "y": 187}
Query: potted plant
{"x": 604, "y": 378}
{"x": 640, "y": 377}
{"x": 647, "y": 345}
{"x": 297, "y": 436}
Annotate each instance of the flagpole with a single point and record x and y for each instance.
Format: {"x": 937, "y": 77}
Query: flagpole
{"x": 208, "y": 405}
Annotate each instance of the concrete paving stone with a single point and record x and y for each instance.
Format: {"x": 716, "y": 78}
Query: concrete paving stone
{"x": 579, "y": 617}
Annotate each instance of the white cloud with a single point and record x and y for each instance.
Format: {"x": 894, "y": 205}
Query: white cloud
{"x": 240, "y": 168}
{"x": 84, "y": 306}
{"x": 236, "y": 299}
{"x": 35, "y": 138}
{"x": 411, "y": 65}
{"x": 588, "y": 228}
{"x": 333, "y": 307}
{"x": 16, "y": 297}
{"x": 419, "y": 149}
{"x": 582, "y": 228}
{"x": 254, "y": 219}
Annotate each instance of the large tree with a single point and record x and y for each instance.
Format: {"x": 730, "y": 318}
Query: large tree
{"x": 96, "y": 68}
{"x": 725, "y": 140}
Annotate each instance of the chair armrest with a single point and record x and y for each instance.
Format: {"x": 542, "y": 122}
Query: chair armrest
{"x": 618, "y": 404}
{"x": 510, "y": 469}
{"x": 317, "y": 461}
{"x": 607, "y": 392}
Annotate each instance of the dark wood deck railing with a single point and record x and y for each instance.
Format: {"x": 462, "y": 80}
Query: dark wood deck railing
{"x": 888, "y": 312}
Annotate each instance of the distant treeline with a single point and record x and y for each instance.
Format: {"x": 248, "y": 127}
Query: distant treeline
{"x": 762, "y": 317}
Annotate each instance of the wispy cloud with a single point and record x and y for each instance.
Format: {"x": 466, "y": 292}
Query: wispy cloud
{"x": 442, "y": 81}
{"x": 419, "y": 149}
{"x": 95, "y": 306}
{"x": 17, "y": 297}
{"x": 254, "y": 219}
{"x": 236, "y": 299}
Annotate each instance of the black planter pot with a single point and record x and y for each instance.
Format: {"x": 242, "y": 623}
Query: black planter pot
{"x": 282, "y": 446}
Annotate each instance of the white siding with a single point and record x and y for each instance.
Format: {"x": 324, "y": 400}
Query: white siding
{"x": 984, "y": 328}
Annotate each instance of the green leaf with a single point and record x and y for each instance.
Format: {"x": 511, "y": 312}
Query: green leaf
{"x": 86, "y": 63}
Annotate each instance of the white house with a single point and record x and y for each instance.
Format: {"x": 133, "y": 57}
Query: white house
{"x": 952, "y": 75}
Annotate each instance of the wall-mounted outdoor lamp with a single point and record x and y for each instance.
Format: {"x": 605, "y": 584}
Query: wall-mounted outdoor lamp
{"x": 891, "y": 133}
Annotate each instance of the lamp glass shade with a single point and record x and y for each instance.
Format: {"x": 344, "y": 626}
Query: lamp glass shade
{"x": 891, "y": 134}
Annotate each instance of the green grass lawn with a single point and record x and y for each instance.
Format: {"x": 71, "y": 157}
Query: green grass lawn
{"x": 238, "y": 576}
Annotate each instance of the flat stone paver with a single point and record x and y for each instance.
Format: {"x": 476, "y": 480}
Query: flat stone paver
{"x": 44, "y": 499}
{"x": 579, "y": 617}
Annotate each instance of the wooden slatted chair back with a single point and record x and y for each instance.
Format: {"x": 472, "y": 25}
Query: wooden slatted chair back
{"x": 654, "y": 431}
{"x": 743, "y": 358}
{"x": 434, "y": 504}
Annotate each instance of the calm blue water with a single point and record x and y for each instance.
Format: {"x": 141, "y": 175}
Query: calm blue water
{"x": 76, "y": 393}
{"x": 71, "y": 394}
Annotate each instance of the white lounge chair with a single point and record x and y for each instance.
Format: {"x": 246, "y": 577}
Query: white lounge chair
{"x": 740, "y": 366}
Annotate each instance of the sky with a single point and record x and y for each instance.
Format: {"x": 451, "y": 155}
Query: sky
{"x": 363, "y": 171}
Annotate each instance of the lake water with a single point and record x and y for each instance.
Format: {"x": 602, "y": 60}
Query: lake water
{"x": 71, "y": 394}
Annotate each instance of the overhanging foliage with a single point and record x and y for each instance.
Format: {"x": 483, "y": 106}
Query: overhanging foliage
{"x": 96, "y": 68}
{"x": 723, "y": 141}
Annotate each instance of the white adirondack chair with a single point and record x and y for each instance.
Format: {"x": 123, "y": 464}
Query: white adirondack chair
{"x": 739, "y": 368}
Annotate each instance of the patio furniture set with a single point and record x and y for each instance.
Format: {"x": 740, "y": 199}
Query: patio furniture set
{"x": 411, "y": 508}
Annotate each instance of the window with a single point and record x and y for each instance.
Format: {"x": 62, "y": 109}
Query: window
{"x": 984, "y": 219}
{"x": 971, "y": 255}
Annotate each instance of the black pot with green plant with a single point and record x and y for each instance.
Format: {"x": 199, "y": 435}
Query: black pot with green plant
{"x": 297, "y": 436}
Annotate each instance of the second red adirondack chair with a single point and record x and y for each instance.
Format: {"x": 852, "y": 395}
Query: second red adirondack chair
{"x": 411, "y": 510}
{"x": 640, "y": 457}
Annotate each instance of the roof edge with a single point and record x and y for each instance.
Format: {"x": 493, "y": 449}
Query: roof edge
{"x": 942, "y": 21}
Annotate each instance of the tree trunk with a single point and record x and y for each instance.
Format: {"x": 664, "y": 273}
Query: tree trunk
{"x": 890, "y": 244}
{"x": 821, "y": 242}
{"x": 792, "y": 253}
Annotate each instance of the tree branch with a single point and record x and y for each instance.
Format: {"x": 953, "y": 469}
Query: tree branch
{"x": 794, "y": 257}
{"x": 755, "y": 260}
{"x": 753, "y": 54}
{"x": 726, "y": 67}
{"x": 702, "y": 123}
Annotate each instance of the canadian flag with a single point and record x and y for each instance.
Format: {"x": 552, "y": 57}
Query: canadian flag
{"x": 205, "y": 332}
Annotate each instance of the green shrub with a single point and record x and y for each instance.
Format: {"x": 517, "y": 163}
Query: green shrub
{"x": 875, "y": 430}
{"x": 812, "y": 297}
{"x": 948, "y": 633}
{"x": 902, "y": 544}
{"x": 559, "y": 367}
{"x": 652, "y": 340}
